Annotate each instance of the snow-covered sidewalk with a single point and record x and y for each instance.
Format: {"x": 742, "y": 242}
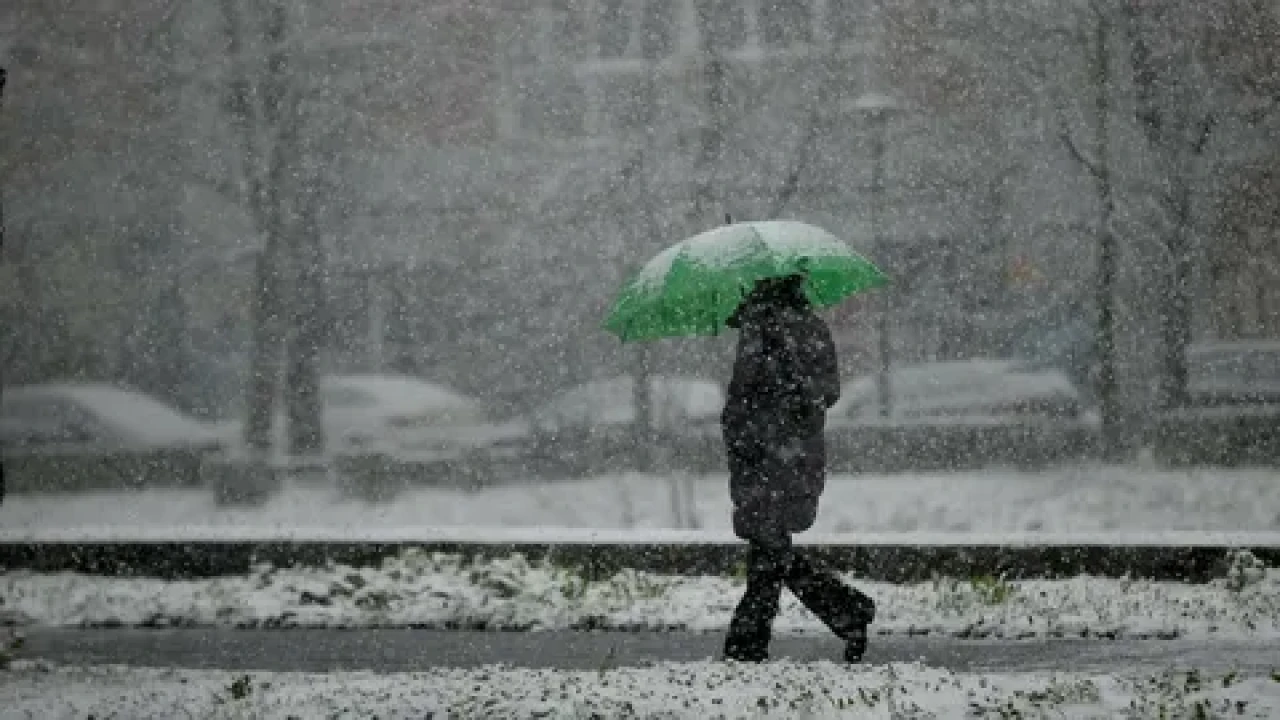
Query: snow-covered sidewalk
{"x": 445, "y": 591}
{"x": 694, "y": 690}
{"x": 1086, "y": 499}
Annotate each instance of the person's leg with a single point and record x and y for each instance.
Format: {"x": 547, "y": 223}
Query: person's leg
{"x": 845, "y": 610}
{"x": 752, "y": 622}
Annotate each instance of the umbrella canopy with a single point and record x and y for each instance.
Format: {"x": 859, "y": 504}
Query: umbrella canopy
{"x": 692, "y": 287}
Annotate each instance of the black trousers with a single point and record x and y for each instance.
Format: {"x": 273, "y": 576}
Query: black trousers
{"x": 772, "y": 563}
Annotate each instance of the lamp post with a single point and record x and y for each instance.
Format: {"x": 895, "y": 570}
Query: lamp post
{"x": 878, "y": 108}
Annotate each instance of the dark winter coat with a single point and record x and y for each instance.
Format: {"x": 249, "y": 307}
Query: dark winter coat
{"x": 784, "y": 378}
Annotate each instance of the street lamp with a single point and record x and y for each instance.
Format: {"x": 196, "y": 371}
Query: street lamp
{"x": 878, "y": 107}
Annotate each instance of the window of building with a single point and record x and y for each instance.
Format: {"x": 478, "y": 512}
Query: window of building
{"x": 550, "y": 104}
{"x": 628, "y": 101}
{"x": 786, "y": 23}
{"x": 522, "y": 44}
{"x": 614, "y": 22}
{"x": 569, "y": 26}
{"x": 851, "y": 21}
{"x": 722, "y": 24}
{"x": 659, "y": 29}
{"x": 594, "y": 71}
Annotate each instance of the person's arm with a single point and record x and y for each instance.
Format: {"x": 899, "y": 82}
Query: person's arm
{"x": 828, "y": 366}
{"x": 752, "y": 366}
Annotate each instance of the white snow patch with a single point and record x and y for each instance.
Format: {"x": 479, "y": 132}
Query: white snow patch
{"x": 721, "y": 247}
{"x": 445, "y": 591}
{"x": 1078, "y": 501}
{"x": 703, "y": 690}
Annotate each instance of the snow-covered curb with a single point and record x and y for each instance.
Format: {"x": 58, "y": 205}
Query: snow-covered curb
{"x": 445, "y": 591}
{"x": 695, "y": 690}
{"x": 1097, "y": 500}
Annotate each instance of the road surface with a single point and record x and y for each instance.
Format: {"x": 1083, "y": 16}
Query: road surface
{"x": 404, "y": 650}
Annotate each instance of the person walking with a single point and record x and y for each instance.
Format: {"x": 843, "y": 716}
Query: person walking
{"x": 785, "y": 376}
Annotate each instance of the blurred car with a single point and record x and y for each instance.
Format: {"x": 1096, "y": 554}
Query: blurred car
{"x": 959, "y": 414}
{"x": 385, "y": 432}
{"x": 591, "y": 428}
{"x": 401, "y": 413}
{"x": 1233, "y": 374}
{"x": 973, "y": 390}
{"x": 1064, "y": 341}
{"x": 1232, "y": 413}
{"x": 82, "y": 435}
{"x": 387, "y": 413}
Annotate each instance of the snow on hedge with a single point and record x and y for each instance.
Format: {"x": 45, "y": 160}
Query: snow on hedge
{"x": 446, "y": 591}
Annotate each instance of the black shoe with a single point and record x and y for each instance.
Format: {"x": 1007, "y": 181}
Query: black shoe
{"x": 855, "y": 645}
{"x": 752, "y": 652}
{"x": 746, "y": 657}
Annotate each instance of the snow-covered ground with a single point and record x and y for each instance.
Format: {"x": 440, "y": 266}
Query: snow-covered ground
{"x": 1086, "y": 499}
{"x": 444, "y": 591}
{"x": 694, "y": 690}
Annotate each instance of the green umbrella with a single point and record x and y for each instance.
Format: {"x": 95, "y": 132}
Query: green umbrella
{"x": 692, "y": 287}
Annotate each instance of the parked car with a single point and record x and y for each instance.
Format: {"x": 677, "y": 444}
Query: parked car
{"x": 1232, "y": 415}
{"x": 387, "y": 413}
{"x": 86, "y": 435}
{"x": 385, "y": 432}
{"x": 1233, "y": 374}
{"x": 590, "y": 428}
{"x": 401, "y": 413}
{"x": 959, "y": 414}
{"x": 1063, "y": 339}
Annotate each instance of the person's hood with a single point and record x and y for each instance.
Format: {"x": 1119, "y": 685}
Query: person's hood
{"x": 770, "y": 297}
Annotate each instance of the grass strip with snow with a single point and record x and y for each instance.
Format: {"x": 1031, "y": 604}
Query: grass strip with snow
{"x": 703, "y": 690}
{"x": 419, "y": 589}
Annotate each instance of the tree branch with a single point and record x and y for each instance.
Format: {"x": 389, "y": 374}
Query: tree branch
{"x": 1206, "y": 131}
{"x": 1078, "y": 155}
{"x": 791, "y": 184}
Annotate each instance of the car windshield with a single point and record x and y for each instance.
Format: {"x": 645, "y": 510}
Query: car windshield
{"x": 1245, "y": 364}
{"x": 612, "y": 401}
{"x": 136, "y": 415}
{"x": 410, "y": 398}
{"x": 347, "y": 396}
{"x": 980, "y": 386}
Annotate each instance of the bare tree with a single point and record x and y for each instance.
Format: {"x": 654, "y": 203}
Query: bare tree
{"x": 1094, "y": 36}
{"x": 3, "y": 79}
{"x": 70, "y": 66}
{"x": 1245, "y": 270}
{"x": 1194, "y": 66}
{"x": 263, "y": 104}
{"x": 1178, "y": 126}
{"x": 972, "y": 70}
{"x": 4, "y": 75}
{"x": 1245, "y": 267}
{"x": 290, "y": 127}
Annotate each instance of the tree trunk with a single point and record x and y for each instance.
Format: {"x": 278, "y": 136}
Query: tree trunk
{"x": 884, "y": 344}
{"x": 276, "y": 119}
{"x": 1176, "y": 321}
{"x": 2, "y": 82}
{"x": 1166, "y": 124}
{"x": 267, "y": 354}
{"x": 642, "y": 398}
{"x": 303, "y": 405}
{"x": 4, "y": 75}
{"x": 1106, "y": 268}
{"x": 171, "y": 358}
{"x": 642, "y": 356}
